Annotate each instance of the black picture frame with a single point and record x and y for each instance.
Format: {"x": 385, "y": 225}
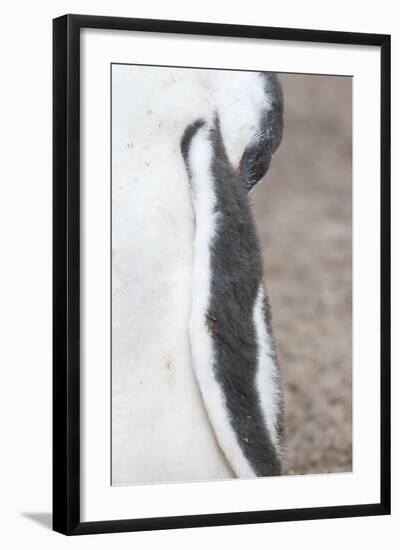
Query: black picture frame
{"x": 66, "y": 273}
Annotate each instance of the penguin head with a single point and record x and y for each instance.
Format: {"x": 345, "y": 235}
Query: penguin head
{"x": 252, "y": 126}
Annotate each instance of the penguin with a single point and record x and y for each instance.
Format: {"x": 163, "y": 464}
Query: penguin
{"x": 233, "y": 351}
{"x": 196, "y": 388}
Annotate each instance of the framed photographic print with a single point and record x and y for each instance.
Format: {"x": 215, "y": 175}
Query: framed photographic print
{"x": 221, "y": 274}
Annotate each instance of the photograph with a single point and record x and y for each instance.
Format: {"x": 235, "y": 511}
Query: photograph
{"x": 231, "y": 274}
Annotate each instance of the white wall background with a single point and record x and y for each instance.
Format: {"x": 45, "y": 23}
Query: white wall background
{"x": 25, "y": 289}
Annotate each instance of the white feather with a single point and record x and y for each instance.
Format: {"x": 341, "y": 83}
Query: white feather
{"x": 267, "y": 374}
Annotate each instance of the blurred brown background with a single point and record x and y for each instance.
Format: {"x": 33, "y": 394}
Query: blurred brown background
{"x": 303, "y": 211}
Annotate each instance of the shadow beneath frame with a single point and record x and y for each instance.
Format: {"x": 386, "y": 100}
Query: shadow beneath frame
{"x": 42, "y": 518}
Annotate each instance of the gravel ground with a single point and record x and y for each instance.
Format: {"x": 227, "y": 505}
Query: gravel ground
{"x": 304, "y": 213}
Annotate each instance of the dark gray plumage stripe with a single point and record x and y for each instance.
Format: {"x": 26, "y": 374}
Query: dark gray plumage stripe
{"x": 273, "y": 89}
{"x": 236, "y": 278}
{"x": 187, "y": 138}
